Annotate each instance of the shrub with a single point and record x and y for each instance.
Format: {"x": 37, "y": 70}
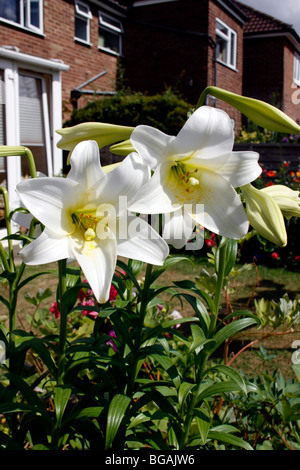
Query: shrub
{"x": 165, "y": 111}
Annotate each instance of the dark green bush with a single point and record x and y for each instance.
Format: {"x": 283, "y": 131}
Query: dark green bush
{"x": 165, "y": 111}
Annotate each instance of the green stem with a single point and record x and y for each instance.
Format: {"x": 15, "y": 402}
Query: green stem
{"x": 202, "y": 98}
{"x": 141, "y": 318}
{"x": 62, "y": 265}
{"x": 219, "y": 286}
{"x": 8, "y": 227}
{"x": 14, "y": 150}
{"x": 214, "y": 316}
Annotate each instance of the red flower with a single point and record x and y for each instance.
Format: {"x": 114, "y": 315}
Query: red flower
{"x": 54, "y": 309}
{"x": 271, "y": 174}
{"x": 297, "y": 258}
{"x": 274, "y": 255}
{"x": 113, "y": 293}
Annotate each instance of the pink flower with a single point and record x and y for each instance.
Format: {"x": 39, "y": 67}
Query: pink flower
{"x": 54, "y": 309}
{"x": 89, "y": 303}
{"x": 113, "y": 293}
{"x": 110, "y": 342}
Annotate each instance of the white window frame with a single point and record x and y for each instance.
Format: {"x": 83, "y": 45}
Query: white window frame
{"x": 111, "y": 28}
{"x": 296, "y": 73}
{"x": 86, "y": 16}
{"x": 15, "y": 63}
{"x": 25, "y": 17}
{"x": 231, "y": 42}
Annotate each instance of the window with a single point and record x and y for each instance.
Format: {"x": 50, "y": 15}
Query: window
{"x": 32, "y": 112}
{"x": 297, "y": 69}
{"x": 83, "y": 17}
{"x": 226, "y": 44}
{"x": 25, "y": 13}
{"x": 110, "y": 34}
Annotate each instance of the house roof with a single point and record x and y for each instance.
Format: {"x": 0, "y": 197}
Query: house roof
{"x": 261, "y": 23}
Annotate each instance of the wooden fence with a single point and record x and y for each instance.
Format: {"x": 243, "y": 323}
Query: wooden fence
{"x": 272, "y": 156}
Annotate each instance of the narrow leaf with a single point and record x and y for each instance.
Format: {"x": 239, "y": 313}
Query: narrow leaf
{"x": 116, "y": 413}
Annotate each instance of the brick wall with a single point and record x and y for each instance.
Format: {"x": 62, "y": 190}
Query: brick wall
{"x": 268, "y": 75}
{"x": 160, "y": 52}
{"x": 291, "y": 92}
{"x": 263, "y": 69}
{"x": 227, "y": 78}
{"x": 58, "y": 42}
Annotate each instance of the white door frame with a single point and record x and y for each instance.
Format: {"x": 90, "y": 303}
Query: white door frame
{"x": 11, "y": 61}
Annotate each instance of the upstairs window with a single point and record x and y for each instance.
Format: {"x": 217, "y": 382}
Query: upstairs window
{"x": 83, "y": 17}
{"x": 297, "y": 69}
{"x": 25, "y": 13}
{"x": 226, "y": 44}
{"x": 110, "y": 34}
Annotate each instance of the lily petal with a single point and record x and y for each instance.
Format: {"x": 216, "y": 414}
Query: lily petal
{"x": 178, "y": 228}
{"x": 125, "y": 180}
{"x": 47, "y": 248}
{"x": 97, "y": 261}
{"x": 47, "y": 198}
{"x": 238, "y": 168}
{"x": 143, "y": 242}
{"x": 156, "y": 197}
{"x": 85, "y": 164}
{"x": 151, "y": 144}
{"x": 223, "y": 210}
{"x": 207, "y": 134}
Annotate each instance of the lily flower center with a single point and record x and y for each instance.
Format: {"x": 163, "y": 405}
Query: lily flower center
{"x": 186, "y": 175}
{"x": 95, "y": 222}
{"x": 87, "y": 222}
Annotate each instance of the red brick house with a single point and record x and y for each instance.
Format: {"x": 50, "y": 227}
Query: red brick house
{"x": 50, "y": 51}
{"x": 271, "y": 70}
{"x": 186, "y": 45}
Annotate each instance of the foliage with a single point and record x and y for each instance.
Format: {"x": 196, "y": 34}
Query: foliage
{"x": 166, "y": 111}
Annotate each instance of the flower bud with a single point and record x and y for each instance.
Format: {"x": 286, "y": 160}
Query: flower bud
{"x": 102, "y": 133}
{"x": 287, "y": 199}
{"x": 264, "y": 215}
{"x": 263, "y": 114}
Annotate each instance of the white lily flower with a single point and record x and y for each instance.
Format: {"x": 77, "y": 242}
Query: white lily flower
{"x": 83, "y": 217}
{"x": 197, "y": 167}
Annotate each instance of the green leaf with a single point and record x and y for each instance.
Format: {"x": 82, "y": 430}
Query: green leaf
{"x": 167, "y": 364}
{"x": 28, "y": 394}
{"x": 233, "y": 374}
{"x": 217, "y": 389}
{"x": 183, "y": 392}
{"x": 229, "y": 439}
{"x": 229, "y": 330}
{"x": 61, "y": 398}
{"x": 169, "y": 262}
{"x": 115, "y": 415}
{"x": 203, "y": 422}
{"x": 31, "y": 278}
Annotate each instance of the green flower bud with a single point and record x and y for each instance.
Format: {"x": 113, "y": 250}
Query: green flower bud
{"x": 263, "y": 114}
{"x": 102, "y": 133}
{"x": 264, "y": 214}
{"x": 287, "y": 199}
